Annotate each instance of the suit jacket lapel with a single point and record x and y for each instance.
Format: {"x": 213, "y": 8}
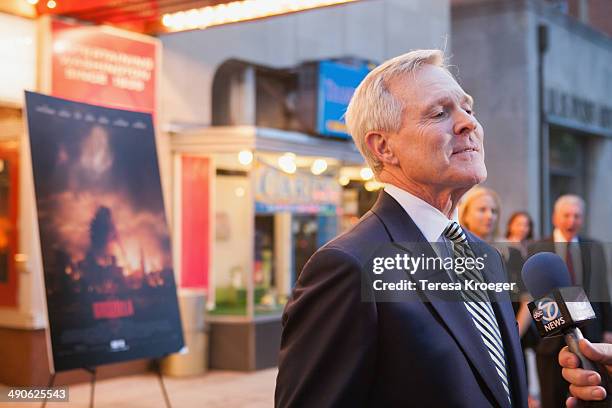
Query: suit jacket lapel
{"x": 406, "y": 235}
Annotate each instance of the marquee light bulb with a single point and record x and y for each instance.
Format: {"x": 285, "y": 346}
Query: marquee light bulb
{"x": 318, "y": 166}
{"x": 366, "y": 173}
{"x": 245, "y": 157}
{"x": 287, "y": 163}
{"x": 239, "y": 11}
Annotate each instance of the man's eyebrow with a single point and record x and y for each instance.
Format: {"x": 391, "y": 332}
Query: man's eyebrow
{"x": 443, "y": 100}
{"x": 439, "y": 101}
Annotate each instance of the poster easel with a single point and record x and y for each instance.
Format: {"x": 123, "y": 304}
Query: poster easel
{"x": 93, "y": 372}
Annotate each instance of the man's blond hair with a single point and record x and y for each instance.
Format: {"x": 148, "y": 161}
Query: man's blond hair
{"x": 374, "y": 108}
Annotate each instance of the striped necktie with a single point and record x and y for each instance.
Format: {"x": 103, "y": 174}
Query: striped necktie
{"x": 478, "y": 305}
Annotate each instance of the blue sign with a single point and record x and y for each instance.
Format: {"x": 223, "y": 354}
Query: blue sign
{"x": 337, "y": 82}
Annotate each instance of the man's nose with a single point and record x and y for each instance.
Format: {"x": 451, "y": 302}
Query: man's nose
{"x": 464, "y": 123}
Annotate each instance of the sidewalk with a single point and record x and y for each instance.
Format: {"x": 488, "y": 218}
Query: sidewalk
{"x": 217, "y": 389}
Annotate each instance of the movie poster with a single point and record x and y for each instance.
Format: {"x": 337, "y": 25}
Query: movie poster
{"x": 105, "y": 244}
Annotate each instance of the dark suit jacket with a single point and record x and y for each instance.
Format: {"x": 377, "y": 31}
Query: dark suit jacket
{"x": 595, "y": 284}
{"x": 339, "y": 350}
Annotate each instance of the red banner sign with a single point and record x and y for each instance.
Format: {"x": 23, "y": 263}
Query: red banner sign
{"x": 195, "y": 246}
{"x": 104, "y": 66}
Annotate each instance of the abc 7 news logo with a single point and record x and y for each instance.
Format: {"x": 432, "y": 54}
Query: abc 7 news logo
{"x": 547, "y": 310}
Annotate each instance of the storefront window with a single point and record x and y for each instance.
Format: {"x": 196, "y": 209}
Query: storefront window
{"x": 305, "y": 231}
{"x": 567, "y": 163}
{"x": 4, "y": 220}
{"x": 231, "y": 257}
{"x": 265, "y": 268}
{"x": 8, "y": 222}
{"x": 272, "y": 211}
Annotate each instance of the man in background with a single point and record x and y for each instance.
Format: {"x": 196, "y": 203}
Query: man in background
{"x": 586, "y": 263}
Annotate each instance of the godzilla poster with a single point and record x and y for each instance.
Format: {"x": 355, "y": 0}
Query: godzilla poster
{"x": 105, "y": 244}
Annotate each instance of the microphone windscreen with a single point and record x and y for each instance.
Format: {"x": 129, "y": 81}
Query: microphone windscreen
{"x": 544, "y": 272}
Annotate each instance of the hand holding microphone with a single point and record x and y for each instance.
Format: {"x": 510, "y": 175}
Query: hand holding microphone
{"x": 558, "y": 309}
{"x": 585, "y": 384}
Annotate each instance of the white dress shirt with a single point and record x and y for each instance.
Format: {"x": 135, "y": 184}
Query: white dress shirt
{"x": 561, "y": 250}
{"x": 427, "y": 218}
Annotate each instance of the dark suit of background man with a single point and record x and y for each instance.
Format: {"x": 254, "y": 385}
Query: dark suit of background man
{"x": 586, "y": 263}
{"x": 416, "y": 129}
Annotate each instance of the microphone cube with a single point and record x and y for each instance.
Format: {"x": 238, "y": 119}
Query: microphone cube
{"x": 561, "y": 310}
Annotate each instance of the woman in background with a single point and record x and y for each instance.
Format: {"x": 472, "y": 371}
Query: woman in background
{"x": 519, "y": 230}
{"x": 479, "y": 213}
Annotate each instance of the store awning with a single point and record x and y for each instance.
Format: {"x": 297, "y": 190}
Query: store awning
{"x": 221, "y": 139}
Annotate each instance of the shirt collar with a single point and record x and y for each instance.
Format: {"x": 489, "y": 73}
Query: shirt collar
{"x": 559, "y": 237}
{"x": 427, "y": 218}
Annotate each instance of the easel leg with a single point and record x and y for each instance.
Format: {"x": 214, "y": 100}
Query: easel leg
{"x": 161, "y": 383}
{"x": 92, "y": 371}
{"x": 51, "y": 382}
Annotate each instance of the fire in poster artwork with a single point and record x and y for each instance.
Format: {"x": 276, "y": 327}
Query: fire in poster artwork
{"x": 105, "y": 239}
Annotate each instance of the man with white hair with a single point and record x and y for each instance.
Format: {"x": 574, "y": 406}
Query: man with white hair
{"x": 587, "y": 267}
{"x": 344, "y": 347}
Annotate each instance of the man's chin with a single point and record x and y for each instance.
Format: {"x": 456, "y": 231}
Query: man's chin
{"x": 471, "y": 178}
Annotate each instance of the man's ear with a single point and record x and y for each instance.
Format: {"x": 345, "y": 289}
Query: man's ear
{"x": 379, "y": 145}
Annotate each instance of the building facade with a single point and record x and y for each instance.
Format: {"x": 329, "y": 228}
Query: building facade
{"x": 542, "y": 82}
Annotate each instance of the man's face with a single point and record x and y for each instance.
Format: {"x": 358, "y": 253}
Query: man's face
{"x": 440, "y": 143}
{"x": 568, "y": 219}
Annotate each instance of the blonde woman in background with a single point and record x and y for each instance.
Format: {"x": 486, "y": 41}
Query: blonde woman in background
{"x": 479, "y": 212}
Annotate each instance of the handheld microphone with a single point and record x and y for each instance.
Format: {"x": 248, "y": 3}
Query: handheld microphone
{"x": 559, "y": 308}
